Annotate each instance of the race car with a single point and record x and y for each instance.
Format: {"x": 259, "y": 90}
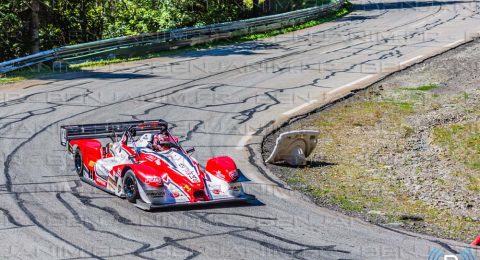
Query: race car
{"x": 144, "y": 163}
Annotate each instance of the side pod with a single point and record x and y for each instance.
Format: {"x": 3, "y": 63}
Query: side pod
{"x": 223, "y": 167}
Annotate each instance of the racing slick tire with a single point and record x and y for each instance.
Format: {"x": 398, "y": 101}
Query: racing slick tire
{"x": 130, "y": 187}
{"x": 78, "y": 162}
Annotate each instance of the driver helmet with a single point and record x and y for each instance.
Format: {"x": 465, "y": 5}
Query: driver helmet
{"x": 161, "y": 142}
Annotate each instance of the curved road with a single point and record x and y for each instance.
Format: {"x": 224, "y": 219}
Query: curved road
{"x": 221, "y": 101}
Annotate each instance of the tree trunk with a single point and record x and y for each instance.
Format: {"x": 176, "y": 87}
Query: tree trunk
{"x": 83, "y": 17}
{"x": 256, "y": 8}
{"x": 267, "y": 6}
{"x": 35, "y": 26}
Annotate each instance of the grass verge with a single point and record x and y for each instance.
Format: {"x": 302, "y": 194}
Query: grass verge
{"x": 461, "y": 141}
{"x": 379, "y": 165}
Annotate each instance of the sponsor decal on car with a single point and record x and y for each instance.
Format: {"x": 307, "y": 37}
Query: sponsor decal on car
{"x": 157, "y": 194}
{"x": 219, "y": 174}
{"x": 91, "y": 163}
{"x": 191, "y": 175}
{"x": 233, "y": 174}
{"x": 175, "y": 194}
{"x": 235, "y": 186}
{"x": 100, "y": 182}
{"x": 216, "y": 189}
{"x": 187, "y": 188}
{"x": 153, "y": 180}
{"x": 150, "y": 158}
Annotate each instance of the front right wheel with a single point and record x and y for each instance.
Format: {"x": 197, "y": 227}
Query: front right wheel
{"x": 130, "y": 187}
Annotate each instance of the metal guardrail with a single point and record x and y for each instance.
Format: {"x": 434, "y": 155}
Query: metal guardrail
{"x": 143, "y": 44}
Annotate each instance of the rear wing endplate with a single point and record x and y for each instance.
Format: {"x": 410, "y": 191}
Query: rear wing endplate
{"x": 106, "y": 130}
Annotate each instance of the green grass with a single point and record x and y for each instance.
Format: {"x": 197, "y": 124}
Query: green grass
{"x": 341, "y": 12}
{"x": 93, "y": 64}
{"x": 474, "y": 183}
{"x": 11, "y": 79}
{"x": 347, "y": 204}
{"x": 427, "y": 87}
{"x": 462, "y": 142}
{"x": 29, "y": 74}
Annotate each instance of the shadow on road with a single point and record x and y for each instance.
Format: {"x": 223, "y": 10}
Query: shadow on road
{"x": 87, "y": 74}
{"x": 240, "y": 204}
{"x": 247, "y": 48}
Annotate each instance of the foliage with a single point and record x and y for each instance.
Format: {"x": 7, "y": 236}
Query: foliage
{"x": 12, "y": 22}
{"x": 64, "y": 22}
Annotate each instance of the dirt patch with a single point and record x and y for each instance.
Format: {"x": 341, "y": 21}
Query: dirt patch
{"x": 404, "y": 152}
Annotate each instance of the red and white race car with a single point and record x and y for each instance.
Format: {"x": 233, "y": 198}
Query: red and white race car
{"x": 152, "y": 170}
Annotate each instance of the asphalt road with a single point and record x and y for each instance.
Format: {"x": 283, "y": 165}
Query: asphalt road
{"x": 221, "y": 101}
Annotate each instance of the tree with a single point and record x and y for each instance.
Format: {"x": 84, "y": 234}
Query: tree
{"x": 35, "y": 26}
{"x": 256, "y": 8}
{"x": 29, "y": 26}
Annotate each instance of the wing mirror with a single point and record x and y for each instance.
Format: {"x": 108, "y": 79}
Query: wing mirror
{"x": 190, "y": 150}
{"x": 133, "y": 158}
{"x": 104, "y": 152}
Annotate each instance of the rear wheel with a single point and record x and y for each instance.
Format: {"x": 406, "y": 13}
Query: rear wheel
{"x": 78, "y": 160}
{"x": 130, "y": 187}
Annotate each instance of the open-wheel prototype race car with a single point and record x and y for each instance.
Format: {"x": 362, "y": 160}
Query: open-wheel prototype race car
{"x": 142, "y": 162}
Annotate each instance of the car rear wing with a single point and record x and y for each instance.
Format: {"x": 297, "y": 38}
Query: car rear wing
{"x": 106, "y": 130}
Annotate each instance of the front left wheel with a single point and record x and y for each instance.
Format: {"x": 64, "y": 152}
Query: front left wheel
{"x": 78, "y": 160}
{"x": 130, "y": 187}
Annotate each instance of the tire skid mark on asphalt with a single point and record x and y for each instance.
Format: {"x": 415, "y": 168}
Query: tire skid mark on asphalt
{"x": 29, "y": 115}
{"x": 351, "y": 25}
{"x": 174, "y": 242}
{"x": 21, "y": 203}
{"x": 25, "y": 98}
{"x": 91, "y": 227}
{"x": 194, "y": 108}
{"x": 85, "y": 200}
{"x": 11, "y": 219}
{"x": 204, "y": 218}
{"x": 145, "y": 112}
{"x": 191, "y": 131}
{"x": 373, "y": 34}
{"x": 412, "y": 35}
